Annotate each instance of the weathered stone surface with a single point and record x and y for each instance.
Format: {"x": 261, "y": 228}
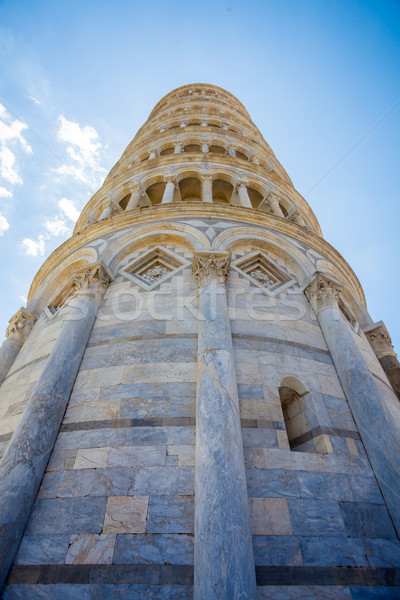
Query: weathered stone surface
{"x": 329, "y": 486}
{"x": 316, "y": 517}
{"x": 276, "y": 550}
{"x": 176, "y": 549}
{"x": 367, "y": 520}
{"x": 293, "y": 592}
{"x": 269, "y": 516}
{"x": 126, "y": 514}
{"x": 160, "y": 481}
{"x": 89, "y": 548}
{"x": 67, "y": 515}
{"x": 170, "y": 514}
{"x": 85, "y": 482}
{"x": 382, "y": 553}
{"x": 64, "y": 591}
{"x": 332, "y": 551}
{"x": 42, "y": 550}
{"x": 136, "y": 456}
{"x": 264, "y": 483}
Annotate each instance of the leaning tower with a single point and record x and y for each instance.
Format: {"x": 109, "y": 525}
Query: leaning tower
{"x": 195, "y": 402}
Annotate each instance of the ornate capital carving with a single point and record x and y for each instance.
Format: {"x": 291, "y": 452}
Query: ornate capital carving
{"x": 380, "y": 340}
{"x": 19, "y": 326}
{"x": 170, "y": 179}
{"x": 110, "y": 204}
{"x": 323, "y": 292}
{"x": 92, "y": 279}
{"x": 211, "y": 267}
{"x": 206, "y": 178}
{"x": 241, "y": 183}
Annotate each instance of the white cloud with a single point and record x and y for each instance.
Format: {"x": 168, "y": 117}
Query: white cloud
{"x": 7, "y": 171}
{"x": 33, "y": 248}
{"x": 35, "y": 100}
{"x": 12, "y": 131}
{"x": 69, "y": 209}
{"x": 83, "y": 148}
{"x": 5, "y": 193}
{"x": 10, "y": 135}
{"x": 56, "y": 227}
{"x": 4, "y": 224}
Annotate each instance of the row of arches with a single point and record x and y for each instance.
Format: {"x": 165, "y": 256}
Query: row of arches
{"x": 197, "y": 145}
{"x": 200, "y": 186}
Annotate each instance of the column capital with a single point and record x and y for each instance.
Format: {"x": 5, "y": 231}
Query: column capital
{"x": 211, "y": 267}
{"x": 170, "y": 179}
{"x": 92, "y": 279}
{"x": 323, "y": 292}
{"x": 241, "y": 182}
{"x": 109, "y": 203}
{"x": 380, "y": 340}
{"x": 19, "y": 326}
{"x": 206, "y": 177}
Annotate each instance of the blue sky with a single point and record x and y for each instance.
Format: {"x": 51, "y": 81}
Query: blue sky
{"x": 77, "y": 79}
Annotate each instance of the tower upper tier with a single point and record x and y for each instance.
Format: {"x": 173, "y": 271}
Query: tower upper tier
{"x": 199, "y": 144}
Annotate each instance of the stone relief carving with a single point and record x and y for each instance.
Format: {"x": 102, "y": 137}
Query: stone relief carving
{"x": 380, "y": 341}
{"x": 20, "y": 326}
{"x": 211, "y": 267}
{"x": 323, "y": 292}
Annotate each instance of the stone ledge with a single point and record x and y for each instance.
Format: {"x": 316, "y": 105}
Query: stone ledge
{"x": 183, "y": 575}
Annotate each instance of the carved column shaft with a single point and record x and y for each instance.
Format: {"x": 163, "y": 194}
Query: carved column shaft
{"x": 224, "y": 563}
{"x": 244, "y": 196}
{"x": 168, "y": 195}
{"x": 31, "y": 445}
{"x": 372, "y": 402}
{"x": 206, "y": 188}
{"x": 275, "y": 206}
{"x": 108, "y": 210}
{"x": 134, "y": 199}
{"x": 17, "y": 332}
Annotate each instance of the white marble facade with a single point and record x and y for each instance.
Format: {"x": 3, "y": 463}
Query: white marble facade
{"x": 214, "y": 421}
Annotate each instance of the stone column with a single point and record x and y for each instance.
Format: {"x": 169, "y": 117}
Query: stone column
{"x": 178, "y": 148}
{"x": 297, "y": 218}
{"x": 244, "y": 195}
{"x": 254, "y": 159}
{"x": 231, "y": 151}
{"x": 275, "y": 206}
{"x": 16, "y": 333}
{"x": 381, "y": 342}
{"x": 108, "y": 210}
{"x": 206, "y": 188}
{"x": 134, "y": 199}
{"x": 153, "y": 154}
{"x": 31, "y": 445}
{"x": 168, "y": 195}
{"x": 373, "y": 403}
{"x": 204, "y": 146}
{"x": 223, "y": 552}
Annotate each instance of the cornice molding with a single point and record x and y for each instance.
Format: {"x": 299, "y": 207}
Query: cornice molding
{"x": 179, "y": 211}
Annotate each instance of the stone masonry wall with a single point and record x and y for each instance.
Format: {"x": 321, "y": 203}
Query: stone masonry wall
{"x": 116, "y": 501}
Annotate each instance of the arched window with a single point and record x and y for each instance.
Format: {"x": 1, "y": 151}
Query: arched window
{"x": 301, "y": 420}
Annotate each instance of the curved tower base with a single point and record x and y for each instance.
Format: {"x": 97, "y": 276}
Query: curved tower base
{"x": 229, "y": 433}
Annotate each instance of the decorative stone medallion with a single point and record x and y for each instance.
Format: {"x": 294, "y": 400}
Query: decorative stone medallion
{"x": 154, "y": 267}
{"x": 263, "y": 272}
